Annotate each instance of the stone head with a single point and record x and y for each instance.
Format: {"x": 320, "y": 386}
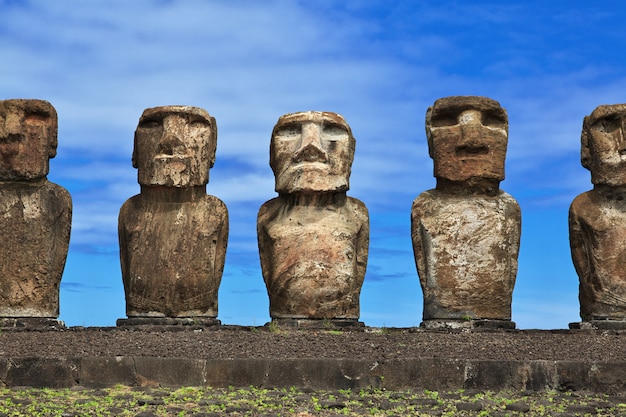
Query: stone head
{"x": 311, "y": 152}
{"x": 603, "y": 144}
{"x": 175, "y": 146}
{"x": 467, "y": 138}
{"x": 28, "y": 139}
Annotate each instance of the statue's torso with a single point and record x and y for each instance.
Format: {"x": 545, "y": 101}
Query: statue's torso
{"x": 314, "y": 254}
{"x": 34, "y": 236}
{"x": 598, "y": 228}
{"x": 466, "y": 250}
{"x": 170, "y": 251}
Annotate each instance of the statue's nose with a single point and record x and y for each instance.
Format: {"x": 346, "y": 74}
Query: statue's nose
{"x": 311, "y": 149}
{"x": 170, "y": 144}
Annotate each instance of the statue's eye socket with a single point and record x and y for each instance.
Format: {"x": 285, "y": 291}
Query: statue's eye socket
{"x": 607, "y": 124}
{"x": 150, "y": 124}
{"x": 444, "y": 119}
{"x": 494, "y": 119}
{"x": 333, "y": 131}
{"x": 199, "y": 124}
{"x": 289, "y": 131}
{"x": 37, "y": 118}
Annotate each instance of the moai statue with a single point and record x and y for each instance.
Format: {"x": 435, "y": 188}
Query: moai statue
{"x": 597, "y": 221}
{"x": 36, "y": 216}
{"x": 466, "y": 231}
{"x": 313, "y": 239}
{"x": 173, "y": 235}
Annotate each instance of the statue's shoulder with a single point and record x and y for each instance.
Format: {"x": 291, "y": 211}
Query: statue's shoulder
{"x": 425, "y": 199}
{"x": 588, "y": 197}
{"x": 357, "y": 205}
{"x": 509, "y": 202}
{"x": 587, "y": 205}
{"x": 132, "y": 204}
{"x": 60, "y": 192}
{"x": 215, "y": 203}
{"x": 270, "y": 207}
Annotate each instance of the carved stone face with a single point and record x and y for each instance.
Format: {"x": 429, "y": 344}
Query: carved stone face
{"x": 311, "y": 152}
{"x": 175, "y": 146}
{"x": 28, "y": 139}
{"x": 467, "y": 138}
{"x": 603, "y": 141}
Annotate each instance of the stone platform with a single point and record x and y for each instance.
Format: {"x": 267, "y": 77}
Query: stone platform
{"x": 395, "y": 359}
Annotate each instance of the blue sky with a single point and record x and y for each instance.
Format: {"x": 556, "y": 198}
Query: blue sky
{"x": 378, "y": 63}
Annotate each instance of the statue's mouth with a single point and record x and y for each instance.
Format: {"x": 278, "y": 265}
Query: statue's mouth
{"x": 168, "y": 157}
{"x": 471, "y": 150}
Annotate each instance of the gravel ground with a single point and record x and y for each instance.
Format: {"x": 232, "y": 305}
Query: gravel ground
{"x": 259, "y": 342}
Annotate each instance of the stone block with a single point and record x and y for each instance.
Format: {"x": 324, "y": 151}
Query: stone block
{"x": 170, "y": 371}
{"x": 236, "y": 372}
{"x": 572, "y": 375}
{"x": 424, "y": 373}
{"x": 516, "y": 375}
{"x": 43, "y": 372}
{"x": 100, "y": 372}
{"x": 323, "y": 373}
{"x": 608, "y": 377}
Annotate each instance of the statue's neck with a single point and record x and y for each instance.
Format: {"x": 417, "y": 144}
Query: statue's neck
{"x": 472, "y": 186}
{"x": 314, "y": 199}
{"x": 164, "y": 194}
{"x": 38, "y": 182}
{"x": 612, "y": 192}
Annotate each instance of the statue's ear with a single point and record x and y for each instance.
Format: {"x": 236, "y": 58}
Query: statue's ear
{"x": 134, "y": 157}
{"x": 585, "y": 152}
{"x": 429, "y": 112}
{"x": 213, "y": 145}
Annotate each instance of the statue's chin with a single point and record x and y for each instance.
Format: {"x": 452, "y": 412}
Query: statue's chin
{"x": 316, "y": 185}
{"x": 175, "y": 173}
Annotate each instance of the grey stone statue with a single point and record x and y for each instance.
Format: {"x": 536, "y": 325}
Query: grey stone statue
{"x": 173, "y": 235}
{"x": 35, "y": 215}
{"x": 597, "y": 220}
{"x": 313, "y": 239}
{"x": 466, "y": 231}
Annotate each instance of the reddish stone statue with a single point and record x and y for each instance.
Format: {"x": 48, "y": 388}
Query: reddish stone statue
{"x": 597, "y": 220}
{"x": 466, "y": 231}
{"x": 173, "y": 235}
{"x": 36, "y": 215}
{"x": 313, "y": 239}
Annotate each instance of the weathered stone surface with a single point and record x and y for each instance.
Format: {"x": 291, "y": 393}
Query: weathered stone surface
{"x": 313, "y": 239}
{"x": 597, "y": 218}
{"x": 100, "y": 372}
{"x": 319, "y": 324}
{"x": 316, "y": 373}
{"x": 169, "y": 323}
{"x": 31, "y": 323}
{"x": 517, "y": 375}
{"x": 35, "y": 214}
{"x": 173, "y": 235}
{"x": 466, "y": 231}
{"x": 608, "y": 377}
{"x": 572, "y": 375}
{"x": 43, "y": 372}
{"x": 170, "y": 371}
{"x": 425, "y": 373}
{"x": 467, "y": 324}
